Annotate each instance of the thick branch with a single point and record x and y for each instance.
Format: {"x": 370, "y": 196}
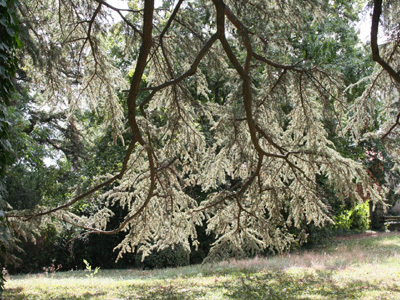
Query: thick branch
{"x": 376, "y": 56}
{"x": 133, "y": 92}
{"x": 243, "y": 72}
{"x": 374, "y": 42}
{"x": 139, "y": 70}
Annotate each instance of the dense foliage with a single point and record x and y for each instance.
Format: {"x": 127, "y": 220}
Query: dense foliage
{"x": 164, "y": 122}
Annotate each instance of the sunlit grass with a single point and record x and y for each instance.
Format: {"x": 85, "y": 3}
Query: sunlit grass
{"x": 366, "y": 268}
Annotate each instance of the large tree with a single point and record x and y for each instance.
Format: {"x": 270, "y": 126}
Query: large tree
{"x": 228, "y": 96}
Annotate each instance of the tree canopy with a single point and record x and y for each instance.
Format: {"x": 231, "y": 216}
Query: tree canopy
{"x": 248, "y": 102}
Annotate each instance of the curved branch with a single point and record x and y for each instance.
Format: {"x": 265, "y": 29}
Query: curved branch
{"x": 376, "y": 56}
{"x": 134, "y": 89}
{"x": 374, "y": 42}
{"x": 138, "y": 212}
{"x": 243, "y": 73}
{"x": 278, "y": 65}
{"x": 244, "y": 32}
{"x": 131, "y": 101}
{"x": 171, "y": 18}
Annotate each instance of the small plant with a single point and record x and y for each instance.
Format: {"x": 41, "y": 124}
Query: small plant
{"x": 51, "y": 269}
{"x": 5, "y": 274}
{"x": 89, "y": 269}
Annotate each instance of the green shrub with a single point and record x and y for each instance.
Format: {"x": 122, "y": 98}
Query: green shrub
{"x": 353, "y": 219}
{"x": 92, "y": 273}
{"x": 360, "y": 217}
{"x": 343, "y": 220}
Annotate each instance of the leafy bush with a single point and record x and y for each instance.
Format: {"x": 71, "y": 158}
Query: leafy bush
{"x": 343, "y": 220}
{"x": 353, "y": 219}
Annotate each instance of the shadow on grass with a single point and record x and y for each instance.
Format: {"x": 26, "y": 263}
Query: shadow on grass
{"x": 386, "y": 240}
{"x": 246, "y": 285}
{"x": 169, "y": 292}
{"x": 15, "y": 294}
{"x": 283, "y": 286}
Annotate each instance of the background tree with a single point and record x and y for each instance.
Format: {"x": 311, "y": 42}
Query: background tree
{"x": 8, "y": 67}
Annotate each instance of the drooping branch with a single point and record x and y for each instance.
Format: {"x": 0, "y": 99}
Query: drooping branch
{"x": 188, "y": 73}
{"x": 139, "y": 70}
{"x": 137, "y": 138}
{"x": 131, "y": 101}
{"x": 377, "y": 57}
{"x": 89, "y": 35}
{"x": 225, "y": 147}
{"x": 84, "y": 195}
{"x": 374, "y": 42}
{"x": 244, "y": 32}
{"x": 392, "y": 127}
{"x": 242, "y": 71}
{"x": 161, "y": 38}
{"x": 119, "y": 10}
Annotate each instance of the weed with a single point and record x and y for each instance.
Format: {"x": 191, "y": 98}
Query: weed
{"x": 52, "y": 269}
{"x": 89, "y": 269}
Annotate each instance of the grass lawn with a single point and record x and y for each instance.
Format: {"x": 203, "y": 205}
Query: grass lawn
{"x": 362, "y": 268}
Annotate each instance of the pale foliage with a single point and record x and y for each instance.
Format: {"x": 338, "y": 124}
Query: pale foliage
{"x": 69, "y": 62}
{"x": 259, "y": 186}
